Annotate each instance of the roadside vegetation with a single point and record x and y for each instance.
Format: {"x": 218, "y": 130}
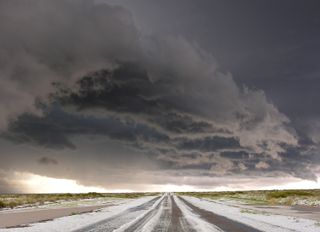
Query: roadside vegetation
{"x": 270, "y": 197}
{"x": 15, "y": 200}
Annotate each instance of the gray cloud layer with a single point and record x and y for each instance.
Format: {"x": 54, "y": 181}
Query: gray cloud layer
{"x": 75, "y": 70}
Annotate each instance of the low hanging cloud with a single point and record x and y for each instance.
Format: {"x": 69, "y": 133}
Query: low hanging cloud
{"x": 46, "y": 41}
{"x": 186, "y": 110}
{"x": 82, "y": 68}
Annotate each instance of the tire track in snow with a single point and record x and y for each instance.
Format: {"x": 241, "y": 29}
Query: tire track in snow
{"x": 165, "y": 218}
{"x": 161, "y": 220}
{"x": 115, "y": 222}
{"x": 145, "y": 221}
{"x": 195, "y": 220}
{"x": 178, "y": 222}
{"x": 222, "y": 222}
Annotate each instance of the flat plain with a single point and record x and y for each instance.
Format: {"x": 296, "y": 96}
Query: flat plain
{"x": 247, "y": 211}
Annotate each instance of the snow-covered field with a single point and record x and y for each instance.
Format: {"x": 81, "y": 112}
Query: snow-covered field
{"x": 256, "y": 219}
{"x": 75, "y": 222}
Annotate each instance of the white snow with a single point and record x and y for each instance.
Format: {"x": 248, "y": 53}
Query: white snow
{"x": 129, "y": 224}
{"x": 268, "y": 223}
{"x": 76, "y": 222}
{"x": 151, "y": 224}
{"x": 263, "y": 222}
{"x": 196, "y": 222}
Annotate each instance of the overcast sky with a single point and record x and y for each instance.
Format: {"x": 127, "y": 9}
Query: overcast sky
{"x": 142, "y": 94}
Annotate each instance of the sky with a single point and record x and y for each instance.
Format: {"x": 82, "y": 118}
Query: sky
{"x": 170, "y": 95}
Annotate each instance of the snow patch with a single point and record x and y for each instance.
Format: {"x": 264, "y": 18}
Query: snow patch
{"x": 75, "y": 222}
{"x": 268, "y": 223}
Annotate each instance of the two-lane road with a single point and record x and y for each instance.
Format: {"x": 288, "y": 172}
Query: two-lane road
{"x": 168, "y": 213}
{"x": 172, "y": 213}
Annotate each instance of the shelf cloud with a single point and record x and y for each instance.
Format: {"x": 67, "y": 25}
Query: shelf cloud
{"x": 83, "y": 87}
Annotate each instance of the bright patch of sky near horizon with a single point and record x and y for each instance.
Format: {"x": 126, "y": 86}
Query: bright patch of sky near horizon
{"x": 32, "y": 183}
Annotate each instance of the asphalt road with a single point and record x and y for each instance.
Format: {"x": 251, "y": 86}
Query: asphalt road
{"x": 168, "y": 213}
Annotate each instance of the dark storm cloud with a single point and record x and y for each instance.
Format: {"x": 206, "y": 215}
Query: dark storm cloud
{"x": 38, "y": 130}
{"x": 46, "y": 41}
{"x": 235, "y": 154}
{"x": 178, "y": 80}
{"x": 302, "y": 162}
{"x": 128, "y": 89}
{"x": 54, "y": 129}
{"x": 77, "y": 71}
{"x": 278, "y": 54}
{"x": 209, "y": 144}
{"x": 47, "y": 161}
{"x": 176, "y": 106}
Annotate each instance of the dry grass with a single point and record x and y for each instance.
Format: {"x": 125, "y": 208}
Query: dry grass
{"x": 272, "y": 197}
{"x": 14, "y": 200}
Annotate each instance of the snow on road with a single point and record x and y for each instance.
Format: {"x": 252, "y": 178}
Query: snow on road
{"x": 170, "y": 213}
{"x": 144, "y": 220}
{"x": 160, "y": 219}
{"x": 197, "y": 223}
